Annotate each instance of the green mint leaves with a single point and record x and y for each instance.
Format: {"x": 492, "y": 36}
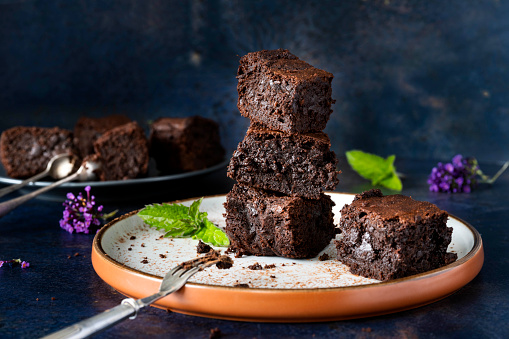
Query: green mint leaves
{"x": 179, "y": 221}
{"x": 377, "y": 169}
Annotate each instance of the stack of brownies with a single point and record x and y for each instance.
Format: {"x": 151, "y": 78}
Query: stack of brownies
{"x": 277, "y": 207}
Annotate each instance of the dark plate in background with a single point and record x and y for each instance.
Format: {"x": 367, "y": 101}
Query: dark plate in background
{"x": 151, "y": 187}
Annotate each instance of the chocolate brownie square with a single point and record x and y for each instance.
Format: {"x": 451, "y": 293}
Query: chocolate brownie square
{"x": 300, "y": 165}
{"x": 260, "y": 222}
{"x": 123, "y": 153}
{"x": 26, "y": 151}
{"x": 393, "y": 236}
{"x": 87, "y": 130}
{"x": 185, "y": 144}
{"x": 284, "y": 93}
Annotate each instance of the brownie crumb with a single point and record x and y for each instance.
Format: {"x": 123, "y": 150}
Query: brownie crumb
{"x": 241, "y": 285}
{"x": 129, "y": 249}
{"x": 76, "y": 254}
{"x": 163, "y": 256}
{"x": 212, "y": 257}
{"x": 53, "y": 298}
{"x": 256, "y": 266}
{"x": 142, "y": 244}
{"x": 224, "y": 263}
{"x": 215, "y": 333}
{"x": 203, "y": 247}
{"x": 269, "y": 266}
{"x": 144, "y": 261}
{"x": 323, "y": 257}
{"x": 132, "y": 237}
{"x": 273, "y": 276}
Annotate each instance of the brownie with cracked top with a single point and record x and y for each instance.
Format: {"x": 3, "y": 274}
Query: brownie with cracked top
{"x": 122, "y": 152}
{"x": 87, "y": 130}
{"x": 283, "y": 93}
{"x": 393, "y": 236}
{"x": 26, "y": 151}
{"x": 299, "y": 165}
{"x": 185, "y": 144}
{"x": 260, "y": 222}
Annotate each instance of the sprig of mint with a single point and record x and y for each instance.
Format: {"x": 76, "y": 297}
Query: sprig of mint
{"x": 375, "y": 168}
{"x": 179, "y": 221}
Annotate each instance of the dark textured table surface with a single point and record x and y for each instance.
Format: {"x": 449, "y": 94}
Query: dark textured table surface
{"x": 60, "y": 288}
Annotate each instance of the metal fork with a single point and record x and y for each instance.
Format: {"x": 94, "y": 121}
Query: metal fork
{"x": 173, "y": 281}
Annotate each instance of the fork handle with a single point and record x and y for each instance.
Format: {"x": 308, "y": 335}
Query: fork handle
{"x": 12, "y": 188}
{"x": 9, "y": 205}
{"x": 85, "y": 328}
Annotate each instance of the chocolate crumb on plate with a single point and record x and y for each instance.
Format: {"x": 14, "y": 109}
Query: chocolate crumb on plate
{"x": 241, "y": 285}
{"x": 267, "y": 266}
{"x": 212, "y": 257}
{"x": 255, "y": 266}
{"x": 225, "y": 262}
{"x": 203, "y": 247}
{"x": 323, "y": 257}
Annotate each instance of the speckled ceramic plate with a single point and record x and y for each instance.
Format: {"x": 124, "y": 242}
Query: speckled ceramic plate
{"x": 133, "y": 258}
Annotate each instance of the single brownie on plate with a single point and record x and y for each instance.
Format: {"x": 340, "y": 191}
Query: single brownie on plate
{"x": 299, "y": 165}
{"x": 283, "y": 93}
{"x": 393, "y": 236}
{"x": 185, "y": 144}
{"x": 123, "y": 153}
{"x": 260, "y": 222}
{"x": 87, "y": 130}
{"x": 26, "y": 151}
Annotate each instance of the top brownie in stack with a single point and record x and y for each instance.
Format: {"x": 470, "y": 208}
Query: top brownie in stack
{"x": 87, "y": 130}
{"x": 393, "y": 236}
{"x": 185, "y": 144}
{"x": 299, "y": 165}
{"x": 284, "y": 93}
{"x": 26, "y": 151}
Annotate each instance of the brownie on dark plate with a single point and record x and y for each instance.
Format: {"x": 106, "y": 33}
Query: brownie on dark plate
{"x": 260, "y": 222}
{"x": 87, "y": 130}
{"x": 293, "y": 164}
{"x": 185, "y": 144}
{"x": 26, "y": 151}
{"x": 283, "y": 93}
{"x": 393, "y": 236}
{"x": 123, "y": 153}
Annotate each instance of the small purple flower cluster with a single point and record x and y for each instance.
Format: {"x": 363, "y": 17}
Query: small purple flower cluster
{"x": 15, "y": 262}
{"x": 454, "y": 177}
{"x": 81, "y": 213}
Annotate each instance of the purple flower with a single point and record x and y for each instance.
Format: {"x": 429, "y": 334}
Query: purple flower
{"x": 15, "y": 262}
{"x": 80, "y": 213}
{"x": 460, "y": 175}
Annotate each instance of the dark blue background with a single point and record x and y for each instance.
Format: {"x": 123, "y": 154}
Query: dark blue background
{"x": 420, "y": 79}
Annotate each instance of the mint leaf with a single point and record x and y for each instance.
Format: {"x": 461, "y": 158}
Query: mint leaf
{"x": 194, "y": 209}
{"x": 375, "y": 168}
{"x": 166, "y": 217}
{"x": 212, "y": 234}
{"x": 180, "y": 221}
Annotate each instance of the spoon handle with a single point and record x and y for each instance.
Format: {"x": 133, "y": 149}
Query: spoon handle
{"x": 9, "y": 205}
{"x": 12, "y": 188}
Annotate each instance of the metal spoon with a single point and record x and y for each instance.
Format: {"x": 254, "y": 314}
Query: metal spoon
{"x": 58, "y": 167}
{"x": 84, "y": 173}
